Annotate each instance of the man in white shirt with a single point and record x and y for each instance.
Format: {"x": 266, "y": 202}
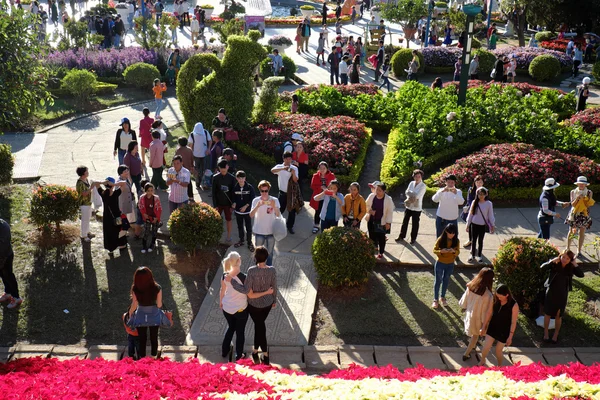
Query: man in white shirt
{"x": 178, "y": 179}
{"x": 449, "y": 199}
{"x": 284, "y": 172}
{"x": 200, "y": 142}
{"x": 414, "y": 205}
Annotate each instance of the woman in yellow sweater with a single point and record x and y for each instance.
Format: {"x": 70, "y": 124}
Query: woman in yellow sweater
{"x": 446, "y": 249}
{"x": 579, "y": 218}
{"x": 354, "y": 208}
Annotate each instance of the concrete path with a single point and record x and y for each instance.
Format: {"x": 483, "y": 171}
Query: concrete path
{"x": 27, "y": 149}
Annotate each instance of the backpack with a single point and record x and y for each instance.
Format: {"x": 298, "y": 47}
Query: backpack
{"x": 279, "y": 149}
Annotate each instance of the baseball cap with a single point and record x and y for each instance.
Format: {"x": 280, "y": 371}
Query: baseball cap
{"x": 375, "y": 184}
{"x": 298, "y": 137}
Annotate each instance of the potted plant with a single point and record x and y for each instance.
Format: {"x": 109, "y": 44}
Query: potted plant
{"x": 208, "y": 10}
{"x": 26, "y": 5}
{"x": 307, "y": 10}
{"x": 280, "y": 42}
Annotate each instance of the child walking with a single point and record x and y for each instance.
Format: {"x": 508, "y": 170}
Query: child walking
{"x": 158, "y": 90}
{"x": 133, "y": 340}
{"x": 446, "y": 249}
{"x": 151, "y": 209}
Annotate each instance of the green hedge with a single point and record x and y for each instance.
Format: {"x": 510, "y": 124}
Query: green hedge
{"x": 100, "y": 88}
{"x": 7, "y": 163}
{"x": 141, "y": 75}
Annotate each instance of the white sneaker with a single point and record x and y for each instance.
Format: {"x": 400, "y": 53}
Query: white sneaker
{"x": 143, "y": 251}
{"x": 478, "y": 259}
{"x": 150, "y": 250}
{"x": 470, "y": 259}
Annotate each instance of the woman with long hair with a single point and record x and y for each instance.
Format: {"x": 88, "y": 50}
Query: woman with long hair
{"x": 500, "y": 323}
{"x": 319, "y": 182}
{"x": 471, "y": 195}
{"x": 133, "y": 161}
{"x": 579, "y": 219}
{"x": 146, "y": 295}
{"x": 481, "y": 216}
{"x": 558, "y": 285}
{"x": 476, "y": 301}
{"x": 446, "y": 248}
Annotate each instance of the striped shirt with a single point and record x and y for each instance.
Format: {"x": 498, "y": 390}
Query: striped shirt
{"x": 259, "y": 280}
{"x": 178, "y": 193}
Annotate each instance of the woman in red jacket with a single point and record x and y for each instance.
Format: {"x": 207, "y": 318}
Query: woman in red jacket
{"x": 320, "y": 181}
{"x": 150, "y": 208}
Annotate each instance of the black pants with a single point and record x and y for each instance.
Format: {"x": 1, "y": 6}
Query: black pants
{"x": 190, "y": 191}
{"x": 236, "y": 324}
{"x": 8, "y": 277}
{"x": 259, "y": 315}
{"x": 576, "y": 64}
{"x": 378, "y": 70}
{"x": 416, "y": 218}
{"x": 317, "y": 218}
{"x": 335, "y": 71}
{"x": 282, "y": 206}
{"x": 133, "y": 346}
{"x": 478, "y": 232}
{"x": 241, "y": 220}
{"x": 143, "y": 335}
{"x": 377, "y": 238}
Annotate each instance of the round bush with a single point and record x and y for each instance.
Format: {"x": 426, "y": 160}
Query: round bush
{"x": 141, "y": 75}
{"x": 7, "y": 163}
{"x": 517, "y": 265}
{"x": 288, "y": 64}
{"x": 596, "y": 69}
{"x": 53, "y": 204}
{"x": 254, "y": 35}
{"x": 343, "y": 257}
{"x": 544, "y": 68}
{"x": 476, "y": 44}
{"x": 195, "y": 225}
{"x": 400, "y": 61}
{"x": 544, "y": 36}
{"x": 80, "y": 83}
{"x": 486, "y": 62}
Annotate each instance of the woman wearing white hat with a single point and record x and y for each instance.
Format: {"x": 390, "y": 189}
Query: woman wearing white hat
{"x": 579, "y": 217}
{"x": 548, "y": 204}
{"x": 583, "y": 92}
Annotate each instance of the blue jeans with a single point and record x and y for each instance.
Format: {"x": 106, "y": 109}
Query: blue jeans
{"x": 269, "y": 242}
{"x": 328, "y": 223}
{"x": 159, "y": 103}
{"x": 440, "y": 225}
{"x": 545, "y": 224}
{"x": 174, "y": 206}
{"x": 442, "y": 277}
{"x": 158, "y": 15}
{"x": 117, "y": 41}
{"x": 207, "y": 179}
{"x": 133, "y": 346}
{"x": 121, "y": 156}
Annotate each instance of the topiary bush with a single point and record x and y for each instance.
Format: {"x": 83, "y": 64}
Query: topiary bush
{"x": 80, "y": 83}
{"x": 544, "y": 68}
{"x": 53, "y": 204}
{"x": 7, "y": 163}
{"x": 343, "y": 257}
{"x": 264, "y": 110}
{"x": 544, "y": 36}
{"x": 476, "y": 44}
{"x": 400, "y": 61}
{"x": 486, "y": 62}
{"x": 141, "y": 75}
{"x": 195, "y": 225}
{"x": 254, "y": 35}
{"x": 517, "y": 265}
{"x": 596, "y": 70}
{"x": 288, "y": 64}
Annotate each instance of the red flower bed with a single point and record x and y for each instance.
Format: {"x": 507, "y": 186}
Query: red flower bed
{"x": 346, "y": 90}
{"x": 520, "y": 165}
{"x": 560, "y": 44}
{"x": 526, "y": 88}
{"x": 589, "y": 119}
{"x": 337, "y": 140}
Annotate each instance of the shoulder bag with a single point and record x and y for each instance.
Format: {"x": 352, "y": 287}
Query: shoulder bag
{"x": 487, "y": 226}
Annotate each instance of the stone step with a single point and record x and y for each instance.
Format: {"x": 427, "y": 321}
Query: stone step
{"x": 32, "y": 350}
{"x": 452, "y": 357}
{"x": 588, "y": 355}
{"x": 289, "y": 357}
{"x": 108, "y": 352}
{"x": 321, "y": 358}
{"x": 559, "y": 355}
{"x": 179, "y": 353}
{"x": 429, "y": 357}
{"x": 525, "y": 355}
{"x": 69, "y": 352}
{"x": 5, "y": 354}
{"x": 356, "y": 354}
{"x": 397, "y": 356}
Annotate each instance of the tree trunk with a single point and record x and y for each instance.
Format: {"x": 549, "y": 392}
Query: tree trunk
{"x": 519, "y": 20}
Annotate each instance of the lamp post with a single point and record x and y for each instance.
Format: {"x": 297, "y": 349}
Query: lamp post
{"x": 471, "y": 10}
{"x": 429, "y": 12}
{"x": 489, "y": 15}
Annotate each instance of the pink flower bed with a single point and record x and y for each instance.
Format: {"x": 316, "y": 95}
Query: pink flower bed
{"x": 346, "y": 90}
{"x": 524, "y": 87}
{"x": 589, "y": 119}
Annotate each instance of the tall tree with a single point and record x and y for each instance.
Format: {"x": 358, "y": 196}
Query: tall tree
{"x": 406, "y": 13}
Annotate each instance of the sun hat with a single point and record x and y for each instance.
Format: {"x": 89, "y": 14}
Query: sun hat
{"x": 550, "y": 184}
{"x": 581, "y": 180}
{"x": 586, "y": 80}
{"x": 374, "y": 184}
{"x": 298, "y": 137}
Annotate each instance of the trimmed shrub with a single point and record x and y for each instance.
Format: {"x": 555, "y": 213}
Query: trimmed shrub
{"x": 254, "y": 35}
{"x": 264, "y": 110}
{"x": 476, "y": 44}
{"x": 544, "y": 68}
{"x": 306, "y": 7}
{"x": 517, "y": 265}
{"x": 80, "y": 83}
{"x": 288, "y": 64}
{"x": 486, "y": 62}
{"x": 7, "y": 163}
{"x": 400, "y": 62}
{"x": 53, "y": 204}
{"x": 195, "y": 225}
{"x": 596, "y": 69}
{"x": 141, "y": 75}
{"x": 343, "y": 257}
{"x": 103, "y": 88}
{"x": 544, "y": 36}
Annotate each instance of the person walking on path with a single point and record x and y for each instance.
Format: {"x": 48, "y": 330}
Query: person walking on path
{"x": 84, "y": 190}
{"x": 457, "y": 69}
{"x": 493, "y": 40}
{"x": 577, "y": 59}
{"x": 324, "y": 14}
{"x": 187, "y": 156}
{"x": 480, "y": 220}
{"x": 548, "y": 205}
{"x": 264, "y": 210}
{"x": 222, "y": 193}
{"x": 200, "y": 142}
{"x": 261, "y": 279}
{"x": 355, "y": 207}
{"x": 385, "y": 74}
{"x": 380, "y": 212}
{"x": 7, "y": 256}
{"x": 124, "y": 135}
{"x": 560, "y": 281}
{"x": 380, "y": 57}
{"x": 179, "y": 178}
{"x": 500, "y": 324}
{"x": 583, "y": 92}
{"x": 448, "y": 198}
{"x": 475, "y": 302}
{"x": 286, "y": 172}
{"x": 319, "y": 182}
{"x": 334, "y": 58}
{"x": 146, "y": 295}
{"x": 305, "y": 34}
{"x": 447, "y": 248}
{"x": 157, "y": 149}
{"x": 474, "y": 68}
{"x": 333, "y": 202}
{"x": 321, "y": 49}
{"x": 134, "y": 163}
{"x": 113, "y": 235}
{"x": 158, "y": 90}
{"x": 243, "y": 195}
{"x": 498, "y": 71}
{"x": 216, "y": 151}
{"x": 355, "y": 71}
{"x": 579, "y": 219}
{"x": 414, "y": 206}
{"x": 151, "y": 209}
{"x": 145, "y": 133}
{"x": 471, "y": 195}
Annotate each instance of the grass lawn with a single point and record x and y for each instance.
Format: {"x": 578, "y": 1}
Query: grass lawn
{"x": 393, "y": 308}
{"x": 61, "y": 274}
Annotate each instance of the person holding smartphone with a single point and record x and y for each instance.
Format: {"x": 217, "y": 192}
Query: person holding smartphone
{"x": 333, "y": 202}
{"x": 380, "y": 210}
{"x": 264, "y": 210}
{"x": 446, "y": 249}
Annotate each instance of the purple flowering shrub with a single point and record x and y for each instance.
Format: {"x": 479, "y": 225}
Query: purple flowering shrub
{"x": 437, "y": 56}
{"x": 104, "y": 63}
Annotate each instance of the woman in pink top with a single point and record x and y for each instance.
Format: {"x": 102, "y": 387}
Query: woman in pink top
{"x": 145, "y": 135}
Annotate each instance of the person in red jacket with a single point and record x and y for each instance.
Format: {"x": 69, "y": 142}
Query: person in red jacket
{"x": 320, "y": 181}
{"x": 145, "y": 134}
{"x": 150, "y": 208}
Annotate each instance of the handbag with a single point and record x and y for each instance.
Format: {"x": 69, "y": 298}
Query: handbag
{"x": 546, "y": 219}
{"x": 149, "y": 316}
{"x": 279, "y": 228}
{"x": 231, "y": 135}
{"x": 379, "y": 228}
{"x": 116, "y": 221}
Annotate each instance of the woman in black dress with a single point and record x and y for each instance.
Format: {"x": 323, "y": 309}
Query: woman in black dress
{"x": 500, "y": 323}
{"x": 558, "y": 284}
{"x": 111, "y": 232}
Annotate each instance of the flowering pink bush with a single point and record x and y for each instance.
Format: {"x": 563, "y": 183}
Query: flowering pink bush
{"x": 589, "y": 119}
{"x": 346, "y": 90}
{"x": 520, "y": 165}
{"x": 525, "y": 88}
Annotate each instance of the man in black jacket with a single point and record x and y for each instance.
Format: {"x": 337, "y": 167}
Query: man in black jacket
{"x": 334, "y": 65}
{"x": 380, "y": 57}
{"x": 222, "y": 193}
{"x": 119, "y": 31}
{"x": 6, "y": 268}
{"x": 243, "y": 194}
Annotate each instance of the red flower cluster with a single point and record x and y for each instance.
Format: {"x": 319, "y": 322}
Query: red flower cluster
{"x": 346, "y": 90}
{"x": 589, "y": 119}
{"x": 524, "y": 87}
{"x": 335, "y": 140}
{"x": 520, "y": 165}
{"x": 560, "y": 44}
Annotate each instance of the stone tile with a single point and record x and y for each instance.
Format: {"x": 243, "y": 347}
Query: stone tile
{"x": 559, "y": 355}
{"x": 5, "y": 354}
{"x": 321, "y": 357}
{"x": 525, "y": 355}
{"x": 361, "y": 355}
{"x": 290, "y": 357}
{"x": 210, "y": 354}
{"x": 179, "y": 353}
{"x": 452, "y": 357}
{"x": 429, "y": 357}
{"x": 32, "y": 350}
{"x": 69, "y": 352}
{"x": 588, "y": 355}
{"x": 112, "y": 353}
{"x": 492, "y": 361}
{"x": 27, "y": 149}
{"x": 397, "y": 356}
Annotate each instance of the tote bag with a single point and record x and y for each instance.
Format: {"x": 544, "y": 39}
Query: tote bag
{"x": 279, "y": 229}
